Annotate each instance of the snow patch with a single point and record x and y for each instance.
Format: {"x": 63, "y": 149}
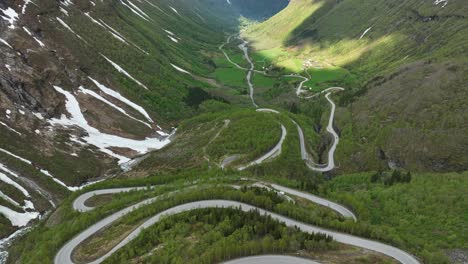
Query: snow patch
{"x": 6, "y": 43}
{"x": 133, "y": 10}
{"x": 365, "y": 32}
{"x": 38, "y": 115}
{"x": 45, "y": 172}
{"x": 64, "y": 11}
{"x": 25, "y": 5}
{"x": 4, "y": 178}
{"x": 16, "y": 156}
{"x": 69, "y": 28}
{"x": 117, "y": 36}
{"x": 180, "y": 69}
{"x": 9, "y": 15}
{"x": 101, "y": 140}
{"x": 18, "y": 219}
{"x": 102, "y": 99}
{"x": 173, "y": 39}
{"x": 169, "y": 32}
{"x": 10, "y": 128}
{"x": 443, "y": 2}
{"x": 121, "y": 70}
{"x": 67, "y": 3}
{"x": 138, "y": 9}
{"x": 36, "y": 39}
{"x": 175, "y": 10}
{"x": 122, "y": 99}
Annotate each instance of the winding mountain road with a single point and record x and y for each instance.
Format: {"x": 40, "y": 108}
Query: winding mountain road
{"x": 305, "y": 156}
{"x": 64, "y": 256}
{"x": 274, "y": 152}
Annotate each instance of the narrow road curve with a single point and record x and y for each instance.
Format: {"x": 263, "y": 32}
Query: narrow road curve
{"x": 274, "y": 152}
{"x": 64, "y": 254}
{"x": 331, "y": 152}
{"x": 318, "y": 200}
{"x": 299, "y": 90}
{"x": 271, "y": 259}
{"x": 221, "y": 48}
{"x": 79, "y": 203}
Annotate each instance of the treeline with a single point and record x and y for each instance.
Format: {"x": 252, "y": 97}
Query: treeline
{"x": 213, "y": 235}
{"x": 423, "y": 216}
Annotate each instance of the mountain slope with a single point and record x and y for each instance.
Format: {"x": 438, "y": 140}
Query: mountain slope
{"x": 87, "y": 85}
{"x": 406, "y": 66}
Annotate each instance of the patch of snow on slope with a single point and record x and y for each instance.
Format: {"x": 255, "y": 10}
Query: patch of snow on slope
{"x": 45, "y": 172}
{"x": 173, "y": 39}
{"x": 169, "y": 32}
{"x": 102, "y": 99}
{"x": 121, "y": 70}
{"x": 16, "y": 156}
{"x": 9, "y": 15}
{"x": 64, "y": 11}
{"x": 175, "y": 10}
{"x": 18, "y": 219}
{"x": 138, "y": 9}
{"x": 69, "y": 28}
{"x": 36, "y": 39}
{"x": 114, "y": 32}
{"x": 102, "y": 25}
{"x": 9, "y": 128}
{"x": 117, "y": 33}
{"x": 67, "y": 2}
{"x": 38, "y": 115}
{"x": 180, "y": 69}
{"x": 443, "y": 2}
{"x": 101, "y": 140}
{"x": 365, "y": 32}
{"x": 9, "y": 199}
{"x": 124, "y": 100}
{"x": 25, "y": 5}
{"x": 4, "y": 178}
{"x": 6, "y": 43}
{"x": 133, "y": 10}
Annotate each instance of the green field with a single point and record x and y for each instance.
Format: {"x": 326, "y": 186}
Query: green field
{"x": 231, "y": 77}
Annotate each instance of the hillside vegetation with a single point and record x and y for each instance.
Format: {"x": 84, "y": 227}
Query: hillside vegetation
{"x": 407, "y": 68}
